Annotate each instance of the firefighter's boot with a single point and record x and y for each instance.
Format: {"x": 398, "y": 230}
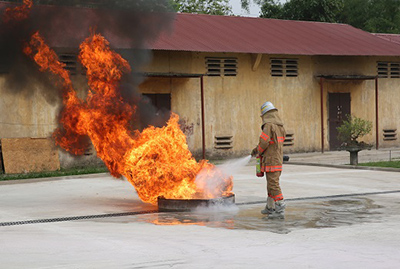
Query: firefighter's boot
{"x": 279, "y": 212}
{"x": 269, "y": 207}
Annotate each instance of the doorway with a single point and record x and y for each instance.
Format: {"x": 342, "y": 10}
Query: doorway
{"x": 339, "y": 108}
{"x": 161, "y": 101}
{"x": 156, "y": 108}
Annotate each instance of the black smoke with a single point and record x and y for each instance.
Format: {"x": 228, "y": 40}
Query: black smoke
{"x": 129, "y": 25}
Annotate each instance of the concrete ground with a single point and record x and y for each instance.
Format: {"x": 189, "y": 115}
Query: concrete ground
{"x": 336, "y": 218}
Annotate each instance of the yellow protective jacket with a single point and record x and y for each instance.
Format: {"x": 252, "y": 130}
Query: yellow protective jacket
{"x": 270, "y": 146}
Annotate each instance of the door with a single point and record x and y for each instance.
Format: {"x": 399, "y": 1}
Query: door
{"x": 339, "y": 108}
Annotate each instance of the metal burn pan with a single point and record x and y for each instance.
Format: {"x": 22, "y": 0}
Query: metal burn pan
{"x": 184, "y": 205}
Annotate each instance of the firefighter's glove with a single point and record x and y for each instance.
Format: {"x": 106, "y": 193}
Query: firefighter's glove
{"x": 254, "y": 152}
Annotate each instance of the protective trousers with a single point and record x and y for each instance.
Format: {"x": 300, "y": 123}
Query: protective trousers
{"x": 273, "y": 187}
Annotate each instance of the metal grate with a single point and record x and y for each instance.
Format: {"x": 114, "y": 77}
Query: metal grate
{"x": 224, "y": 142}
{"x": 388, "y": 69}
{"x": 284, "y": 67}
{"x": 389, "y": 134}
{"x": 289, "y": 139}
{"x": 221, "y": 66}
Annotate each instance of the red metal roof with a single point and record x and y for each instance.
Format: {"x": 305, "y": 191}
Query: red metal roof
{"x": 391, "y": 37}
{"x": 208, "y": 33}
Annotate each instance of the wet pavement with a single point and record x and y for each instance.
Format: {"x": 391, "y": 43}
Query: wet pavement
{"x": 304, "y": 214}
{"x": 335, "y": 217}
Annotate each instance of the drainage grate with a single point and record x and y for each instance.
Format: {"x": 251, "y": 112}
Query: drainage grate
{"x": 61, "y": 219}
{"x": 14, "y": 223}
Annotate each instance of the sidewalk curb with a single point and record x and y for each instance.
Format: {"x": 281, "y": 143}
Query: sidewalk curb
{"x": 345, "y": 166}
{"x": 44, "y": 179}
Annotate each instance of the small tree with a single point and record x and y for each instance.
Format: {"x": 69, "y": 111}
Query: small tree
{"x": 350, "y": 131}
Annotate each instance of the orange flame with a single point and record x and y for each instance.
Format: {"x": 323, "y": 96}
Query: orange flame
{"x": 18, "y": 13}
{"x": 157, "y": 162}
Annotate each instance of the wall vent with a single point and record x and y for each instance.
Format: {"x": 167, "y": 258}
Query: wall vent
{"x": 224, "y": 142}
{"x": 289, "y": 139}
{"x": 382, "y": 69}
{"x": 70, "y": 61}
{"x": 221, "y": 66}
{"x": 395, "y": 70}
{"x": 284, "y": 67}
{"x": 388, "y": 69}
{"x": 389, "y": 134}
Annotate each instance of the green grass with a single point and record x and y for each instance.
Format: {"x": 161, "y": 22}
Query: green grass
{"x": 59, "y": 173}
{"x": 391, "y": 164}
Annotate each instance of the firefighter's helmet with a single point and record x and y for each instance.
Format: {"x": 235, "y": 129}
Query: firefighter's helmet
{"x": 267, "y": 106}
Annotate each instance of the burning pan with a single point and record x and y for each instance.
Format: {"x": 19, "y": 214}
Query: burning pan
{"x": 180, "y": 205}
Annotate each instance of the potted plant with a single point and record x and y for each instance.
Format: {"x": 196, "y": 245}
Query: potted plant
{"x": 350, "y": 132}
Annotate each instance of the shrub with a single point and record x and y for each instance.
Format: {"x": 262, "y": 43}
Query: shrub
{"x": 352, "y": 129}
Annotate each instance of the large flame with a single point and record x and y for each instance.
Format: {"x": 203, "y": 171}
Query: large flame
{"x": 157, "y": 161}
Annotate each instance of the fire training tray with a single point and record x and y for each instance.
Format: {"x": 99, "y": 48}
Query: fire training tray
{"x": 184, "y": 205}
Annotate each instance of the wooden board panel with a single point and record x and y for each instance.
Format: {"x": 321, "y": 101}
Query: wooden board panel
{"x": 24, "y": 155}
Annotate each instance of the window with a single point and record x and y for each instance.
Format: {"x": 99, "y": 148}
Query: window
{"x": 221, "y": 66}
{"x": 284, "y": 67}
{"x": 388, "y": 69}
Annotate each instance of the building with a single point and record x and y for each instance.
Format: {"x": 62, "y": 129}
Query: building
{"x": 216, "y": 71}
{"x": 314, "y": 72}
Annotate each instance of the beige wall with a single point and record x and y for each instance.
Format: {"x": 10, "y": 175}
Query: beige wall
{"x": 232, "y": 103}
{"x": 32, "y": 111}
{"x": 389, "y": 108}
{"x": 25, "y": 113}
{"x": 363, "y": 93}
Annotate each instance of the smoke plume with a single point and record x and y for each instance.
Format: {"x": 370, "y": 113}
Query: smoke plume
{"x": 130, "y": 26}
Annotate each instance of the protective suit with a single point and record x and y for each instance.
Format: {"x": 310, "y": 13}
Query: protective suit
{"x": 270, "y": 147}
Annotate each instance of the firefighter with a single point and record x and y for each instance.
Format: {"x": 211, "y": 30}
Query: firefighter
{"x": 270, "y": 149}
